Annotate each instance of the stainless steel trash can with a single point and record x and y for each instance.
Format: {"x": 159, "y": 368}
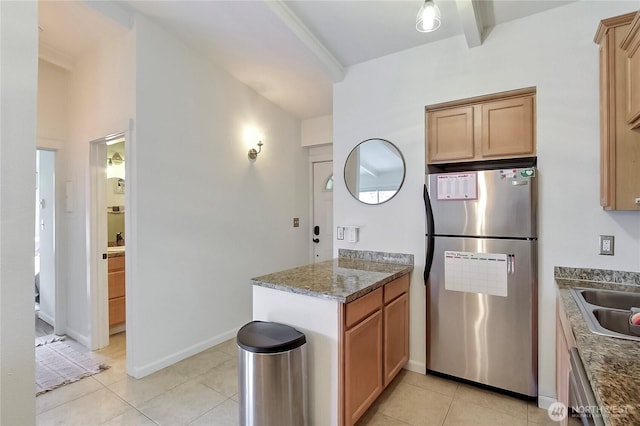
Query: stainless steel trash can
{"x": 272, "y": 375}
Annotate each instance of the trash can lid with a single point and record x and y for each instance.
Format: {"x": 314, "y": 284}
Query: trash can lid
{"x": 269, "y": 337}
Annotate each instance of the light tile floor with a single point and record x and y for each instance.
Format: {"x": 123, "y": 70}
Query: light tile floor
{"x": 202, "y": 390}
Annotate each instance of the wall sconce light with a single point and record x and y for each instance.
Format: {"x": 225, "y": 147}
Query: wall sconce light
{"x": 253, "y": 154}
{"x": 116, "y": 158}
{"x": 428, "y": 18}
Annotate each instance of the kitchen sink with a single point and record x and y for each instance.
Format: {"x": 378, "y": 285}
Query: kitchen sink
{"x": 611, "y": 299}
{"x": 607, "y": 312}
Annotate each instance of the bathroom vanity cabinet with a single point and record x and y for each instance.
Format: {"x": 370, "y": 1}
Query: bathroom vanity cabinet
{"x": 117, "y": 311}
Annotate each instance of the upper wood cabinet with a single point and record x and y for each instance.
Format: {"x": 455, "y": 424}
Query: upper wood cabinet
{"x": 631, "y": 45}
{"x": 619, "y": 143}
{"x": 488, "y": 127}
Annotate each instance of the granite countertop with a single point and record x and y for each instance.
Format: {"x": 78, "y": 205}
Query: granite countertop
{"x": 612, "y": 364}
{"x": 352, "y": 275}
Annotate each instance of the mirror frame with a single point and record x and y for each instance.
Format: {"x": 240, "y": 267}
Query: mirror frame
{"x": 404, "y": 171}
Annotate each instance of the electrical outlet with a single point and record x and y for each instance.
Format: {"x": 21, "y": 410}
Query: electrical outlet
{"x": 296, "y": 222}
{"x": 340, "y": 233}
{"x": 606, "y": 245}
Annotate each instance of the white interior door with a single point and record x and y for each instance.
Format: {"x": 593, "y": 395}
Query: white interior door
{"x": 322, "y": 228}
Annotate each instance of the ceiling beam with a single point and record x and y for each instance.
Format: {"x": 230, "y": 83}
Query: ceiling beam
{"x": 469, "y": 12}
{"x": 330, "y": 63}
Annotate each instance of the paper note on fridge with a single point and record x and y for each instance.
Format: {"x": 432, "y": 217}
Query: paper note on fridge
{"x": 484, "y": 273}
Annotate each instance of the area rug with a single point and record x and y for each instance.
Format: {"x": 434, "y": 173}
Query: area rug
{"x": 59, "y": 362}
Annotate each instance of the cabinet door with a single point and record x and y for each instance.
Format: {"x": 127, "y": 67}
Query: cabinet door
{"x": 633, "y": 73}
{"x": 606, "y": 177}
{"x": 116, "y": 284}
{"x": 450, "y": 134}
{"x": 396, "y": 336}
{"x": 631, "y": 44}
{"x": 563, "y": 367}
{"x": 117, "y": 311}
{"x": 507, "y": 128}
{"x": 363, "y": 372}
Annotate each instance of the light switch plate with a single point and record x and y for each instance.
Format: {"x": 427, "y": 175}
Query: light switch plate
{"x": 340, "y": 233}
{"x": 606, "y": 245}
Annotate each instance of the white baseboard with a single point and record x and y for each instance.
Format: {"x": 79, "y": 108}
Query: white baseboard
{"x": 545, "y": 401}
{"x": 83, "y": 340}
{"x": 46, "y": 318}
{"x": 416, "y": 366}
{"x": 117, "y": 329}
{"x": 145, "y": 370}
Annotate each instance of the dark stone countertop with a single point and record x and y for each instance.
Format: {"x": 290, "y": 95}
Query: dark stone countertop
{"x": 612, "y": 364}
{"x": 352, "y": 275}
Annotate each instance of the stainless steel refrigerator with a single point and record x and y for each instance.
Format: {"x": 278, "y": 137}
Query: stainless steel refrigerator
{"x": 481, "y": 277}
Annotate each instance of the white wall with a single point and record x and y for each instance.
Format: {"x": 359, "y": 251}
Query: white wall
{"x": 18, "y": 82}
{"x": 53, "y": 132}
{"x": 317, "y": 131}
{"x": 201, "y": 231}
{"x": 553, "y": 51}
{"x": 53, "y": 102}
{"x": 101, "y": 98}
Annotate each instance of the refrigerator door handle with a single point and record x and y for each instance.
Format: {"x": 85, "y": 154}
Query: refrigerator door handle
{"x": 430, "y": 239}
{"x": 511, "y": 264}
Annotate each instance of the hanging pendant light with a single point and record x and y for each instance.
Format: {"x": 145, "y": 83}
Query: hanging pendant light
{"x": 428, "y": 18}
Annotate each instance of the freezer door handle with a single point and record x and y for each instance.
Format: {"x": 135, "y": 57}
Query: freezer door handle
{"x": 430, "y": 239}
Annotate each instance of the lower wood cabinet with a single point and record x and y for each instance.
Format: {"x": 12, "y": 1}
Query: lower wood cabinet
{"x": 117, "y": 311}
{"x": 564, "y": 342}
{"x": 375, "y": 345}
{"x": 363, "y": 354}
{"x": 396, "y": 337}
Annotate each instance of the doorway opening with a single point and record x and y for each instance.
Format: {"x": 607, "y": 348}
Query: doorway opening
{"x": 322, "y": 211}
{"x": 44, "y": 256}
{"x": 107, "y": 239}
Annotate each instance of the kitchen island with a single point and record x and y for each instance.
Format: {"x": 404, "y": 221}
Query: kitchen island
{"x": 611, "y": 364}
{"x": 343, "y": 306}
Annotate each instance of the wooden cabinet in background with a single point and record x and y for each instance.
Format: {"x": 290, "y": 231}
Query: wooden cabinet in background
{"x": 631, "y": 46}
{"x": 376, "y": 345}
{"x": 117, "y": 309}
{"x": 619, "y": 144}
{"x": 488, "y": 127}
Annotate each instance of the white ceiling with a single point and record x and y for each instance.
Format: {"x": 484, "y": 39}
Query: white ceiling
{"x": 291, "y": 52}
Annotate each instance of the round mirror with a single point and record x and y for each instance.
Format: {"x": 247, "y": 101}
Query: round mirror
{"x": 374, "y": 171}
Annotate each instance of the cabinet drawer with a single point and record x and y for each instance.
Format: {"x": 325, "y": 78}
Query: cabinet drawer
{"x": 116, "y": 263}
{"x": 116, "y": 284}
{"x": 117, "y": 311}
{"x": 395, "y": 288}
{"x": 363, "y": 307}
